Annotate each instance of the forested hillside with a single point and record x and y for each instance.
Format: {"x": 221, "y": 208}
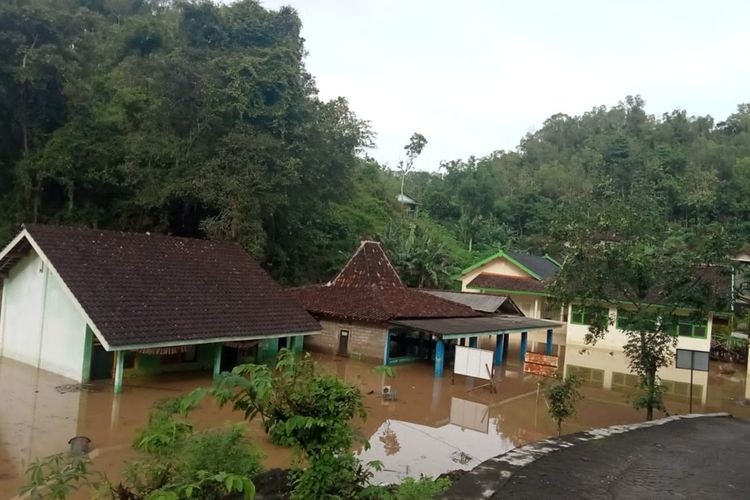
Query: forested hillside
{"x": 200, "y": 119}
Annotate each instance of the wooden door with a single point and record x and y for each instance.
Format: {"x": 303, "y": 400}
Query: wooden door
{"x": 343, "y": 343}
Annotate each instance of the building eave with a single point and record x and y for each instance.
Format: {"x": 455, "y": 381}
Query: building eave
{"x": 212, "y": 340}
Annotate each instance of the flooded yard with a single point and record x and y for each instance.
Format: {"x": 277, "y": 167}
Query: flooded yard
{"x": 432, "y": 425}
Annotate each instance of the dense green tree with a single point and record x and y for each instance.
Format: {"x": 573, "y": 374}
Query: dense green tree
{"x": 621, "y": 249}
{"x": 197, "y": 118}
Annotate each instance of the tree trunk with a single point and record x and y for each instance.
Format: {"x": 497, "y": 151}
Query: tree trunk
{"x": 651, "y": 381}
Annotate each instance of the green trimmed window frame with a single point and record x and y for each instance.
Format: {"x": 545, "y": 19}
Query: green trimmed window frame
{"x": 685, "y": 326}
{"x": 581, "y": 315}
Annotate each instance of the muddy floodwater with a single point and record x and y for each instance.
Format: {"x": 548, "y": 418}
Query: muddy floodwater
{"x": 432, "y": 425}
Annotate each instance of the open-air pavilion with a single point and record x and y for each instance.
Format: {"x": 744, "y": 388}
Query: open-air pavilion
{"x": 447, "y": 332}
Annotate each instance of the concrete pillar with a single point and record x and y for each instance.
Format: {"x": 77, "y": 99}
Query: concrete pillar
{"x": 439, "y": 357}
{"x": 119, "y": 369}
{"x": 473, "y": 342}
{"x": 549, "y": 342}
{"x": 499, "y": 347}
{"x": 217, "y": 360}
{"x": 387, "y": 348}
{"x": 524, "y": 341}
{"x": 506, "y": 344}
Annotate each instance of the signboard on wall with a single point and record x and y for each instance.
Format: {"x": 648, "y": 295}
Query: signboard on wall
{"x": 692, "y": 360}
{"x": 473, "y": 362}
{"x": 540, "y": 364}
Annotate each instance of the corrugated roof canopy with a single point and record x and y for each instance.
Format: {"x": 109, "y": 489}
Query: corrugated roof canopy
{"x": 481, "y": 302}
{"x": 484, "y": 325}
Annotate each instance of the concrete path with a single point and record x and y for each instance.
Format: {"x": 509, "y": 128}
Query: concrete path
{"x": 689, "y": 456}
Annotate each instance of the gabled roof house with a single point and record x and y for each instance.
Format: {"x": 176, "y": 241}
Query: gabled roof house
{"x": 522, "y": 277}
{"x": 78, "y": 301}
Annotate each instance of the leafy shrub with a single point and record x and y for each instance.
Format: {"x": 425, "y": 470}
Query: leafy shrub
{"x": 181, "y": 463}
{"x": 58, "y": 476}
{"x": 424, "y": 488}
{"x": 308, "y": 410}
{"x": 177, "y": 463}
{"x": 561, "y": 399}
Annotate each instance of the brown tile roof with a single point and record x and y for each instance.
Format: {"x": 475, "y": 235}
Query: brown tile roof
{"x": 369, "y": 289}
{"x": 368, "y": 267}
{"x": 141, "y": 289}
{"x": 511, "y": 283}
{"x": 376, "y": 304}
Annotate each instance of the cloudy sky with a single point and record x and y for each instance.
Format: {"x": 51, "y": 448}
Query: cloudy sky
{"x": 474, "y": 76}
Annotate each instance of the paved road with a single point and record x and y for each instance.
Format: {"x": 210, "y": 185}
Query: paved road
{"x": 702, "y": 458}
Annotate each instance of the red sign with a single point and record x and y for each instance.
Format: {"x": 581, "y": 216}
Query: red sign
{"x": 540, "y": 364}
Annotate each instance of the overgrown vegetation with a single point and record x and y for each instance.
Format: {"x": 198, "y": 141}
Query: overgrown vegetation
{"x": 561, "y": 397}
{"x": 199, "y": 118}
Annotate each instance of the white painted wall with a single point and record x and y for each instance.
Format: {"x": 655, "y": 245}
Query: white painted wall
{"x": 615, "y": 338}
{"x": 41, "y": 327}
{"x": 64, "y": 334}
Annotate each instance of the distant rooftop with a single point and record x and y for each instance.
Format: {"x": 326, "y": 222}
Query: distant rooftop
{"x": 480, "y": 302}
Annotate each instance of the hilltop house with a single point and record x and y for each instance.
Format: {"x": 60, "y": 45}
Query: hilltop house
{"x": 88, "y": 304}
{"x": 367, "y": 311}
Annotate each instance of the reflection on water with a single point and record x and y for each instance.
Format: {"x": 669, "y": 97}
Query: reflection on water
{"x": 431, "y": 450}
{"x": 432, "y": 426}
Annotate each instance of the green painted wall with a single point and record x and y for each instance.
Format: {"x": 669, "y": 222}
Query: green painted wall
{"x": 267, "y": 349}
{"x": 296, "y": 343}
{"x": 205, "y": 356}
{"x": 149, "y": 364}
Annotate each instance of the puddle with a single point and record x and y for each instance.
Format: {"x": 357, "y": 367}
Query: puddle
{"x": 432, "y": 425}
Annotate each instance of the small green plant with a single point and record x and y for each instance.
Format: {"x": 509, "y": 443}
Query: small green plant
{"x": 424, "y": 488}
{"x": 58, "y": 476}
{"x": 388, "y": 371}
{"x": 561, "y": 398}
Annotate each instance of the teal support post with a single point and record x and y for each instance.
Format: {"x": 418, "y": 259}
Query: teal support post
{"x": 549, "y": 342}
{"x": 499, "y": 344}
{"x": 506, "y": 344}
{"x": 439, "y": 358}
{"x": 387, "y": 348}
{"x": 473, "y": 342}
{"x": 524, "y": 341}
{"x": 217, "y": 360}
{"x": 119, "y": 369}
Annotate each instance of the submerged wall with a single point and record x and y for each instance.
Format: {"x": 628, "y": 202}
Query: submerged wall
{"x": 40, "y": 324}
{"x": 365, "y": 340}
